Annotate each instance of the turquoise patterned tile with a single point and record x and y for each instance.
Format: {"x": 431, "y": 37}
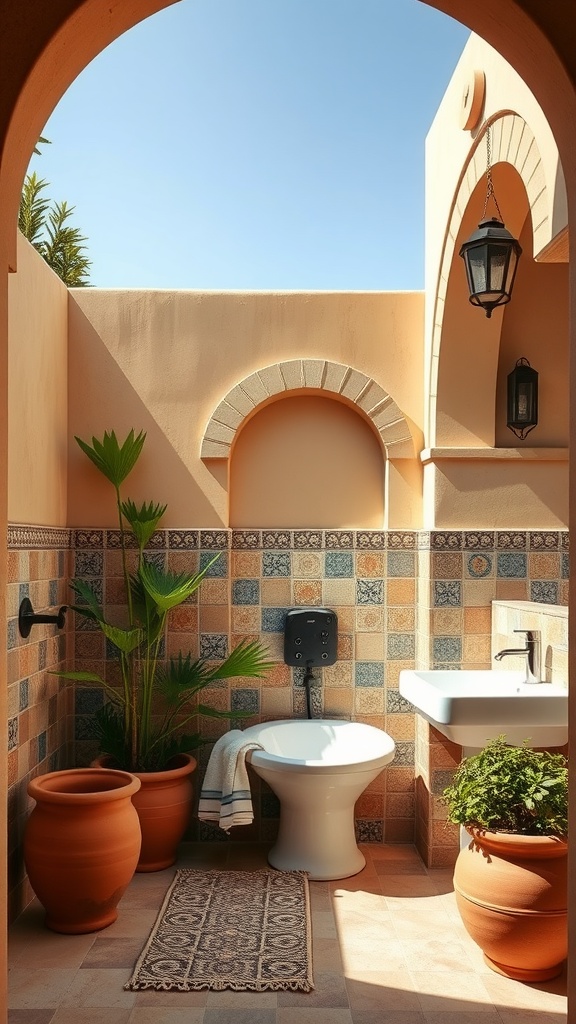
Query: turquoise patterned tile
{"x": 369, "y": 591}
{"x": 23, "y": 694}
{"x": 273, "y": 620}
{"x": 276, "y": 563}
{"x": 245, "y": 700}
{"x": 88, "y": 563}
{"x": 447, "y": 648}
{"x": 447, "y": 594}
{"x": 339, "y": 563}
{"x": 220, "y": 566}
{"x": 401, "y": 563}
{"x": 400, "y": 646}
{"x": 369, "y": 673}
{"x": 404, "y": 754}
{"x": 213, "y": 646}
{"x": 511, "y": 565}
{"x": 544, "y": 591}
{"x": 245, "y": 591}
{"x": 13, "y": 733}
{"x": 88, "y": 699}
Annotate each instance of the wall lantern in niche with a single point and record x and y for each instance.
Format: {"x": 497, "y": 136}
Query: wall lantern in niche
{"x": 522, "y": 406}
{"x": 491, "y": 254}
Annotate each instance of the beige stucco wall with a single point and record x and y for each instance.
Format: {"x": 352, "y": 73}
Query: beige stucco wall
{"x": 468, "y": 356}
{"x": 37, "y": 392}
{"x": 163, "y": 361}
{"x": 448, "y": 149}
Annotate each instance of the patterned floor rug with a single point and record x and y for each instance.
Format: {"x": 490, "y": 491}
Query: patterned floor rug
{"x": 242, "y": 930}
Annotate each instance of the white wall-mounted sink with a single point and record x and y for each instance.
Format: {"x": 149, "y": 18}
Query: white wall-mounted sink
{"x": 472, "y": 707}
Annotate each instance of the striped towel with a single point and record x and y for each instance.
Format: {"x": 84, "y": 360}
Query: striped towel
{"x": 225, "y": 795}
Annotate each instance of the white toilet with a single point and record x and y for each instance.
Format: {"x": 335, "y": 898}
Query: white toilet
{"x": 318, "y": 768}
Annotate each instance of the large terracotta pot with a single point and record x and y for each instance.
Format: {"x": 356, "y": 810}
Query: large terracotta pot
{"x": 81, "y": 845}
{"x": 511, "y": 894}
{"x": 163, "y": 803}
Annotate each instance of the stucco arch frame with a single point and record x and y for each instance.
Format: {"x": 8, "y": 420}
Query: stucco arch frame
{"x": 319, "y": 375}
{"x": 513, "y": 142}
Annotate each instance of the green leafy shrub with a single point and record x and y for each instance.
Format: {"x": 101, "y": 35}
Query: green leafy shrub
{"x": 511, "y": 789}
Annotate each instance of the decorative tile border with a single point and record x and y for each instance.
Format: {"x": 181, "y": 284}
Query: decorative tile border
{"x": 26, "y": 537}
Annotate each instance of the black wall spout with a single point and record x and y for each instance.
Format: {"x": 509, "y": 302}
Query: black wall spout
{"x": 27, "y": 617}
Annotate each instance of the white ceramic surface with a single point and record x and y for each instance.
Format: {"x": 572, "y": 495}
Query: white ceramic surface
{"x": 472, "y": 707}
{"x": 318, "y": 768}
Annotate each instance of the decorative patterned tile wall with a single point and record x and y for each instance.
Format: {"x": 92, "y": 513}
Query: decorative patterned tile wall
{"x": 367, "y": 577}
{"x": 403, "y": 598}
{"x": 39, "y": 704}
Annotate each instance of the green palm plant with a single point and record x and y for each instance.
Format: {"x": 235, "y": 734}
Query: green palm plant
{"x": 46, "y": 226}
{"x": 130, "y": 727}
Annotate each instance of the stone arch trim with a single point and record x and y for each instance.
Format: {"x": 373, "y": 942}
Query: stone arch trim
{"x": 296, "y": 375}
{"x": 513, "y": 142}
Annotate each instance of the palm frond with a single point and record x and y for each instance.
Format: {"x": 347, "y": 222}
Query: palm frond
{"x": 33, "y": 207}
{"x": 143, "y": 520}
{"x": 169, "y": 589}
{"x": 114, "y": 459}
{"x": 249, "y": 658}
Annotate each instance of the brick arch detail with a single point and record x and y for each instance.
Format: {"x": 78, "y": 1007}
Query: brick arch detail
{"x": 297, "y": 375}
{"x": 513, "y": 142}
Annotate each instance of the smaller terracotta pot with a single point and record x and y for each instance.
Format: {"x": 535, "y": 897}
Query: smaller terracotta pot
{"x": 511, "y": 892}
{"x": 163, "y": 804}
{"x": 81, "y": 845}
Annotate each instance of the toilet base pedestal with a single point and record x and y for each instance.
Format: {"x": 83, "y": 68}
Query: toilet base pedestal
{"x": 326, "y": 850}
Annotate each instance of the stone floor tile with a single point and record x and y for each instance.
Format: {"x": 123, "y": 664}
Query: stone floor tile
{"x": 99, "y": 988}
{"x": 38, "y": 988}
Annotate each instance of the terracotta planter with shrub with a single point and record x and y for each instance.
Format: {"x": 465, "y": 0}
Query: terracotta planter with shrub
{"x": 511, "y": 894}
{"x": 81, "y": 845}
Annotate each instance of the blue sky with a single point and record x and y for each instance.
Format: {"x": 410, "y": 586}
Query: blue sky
{"x": 256, "y": 144}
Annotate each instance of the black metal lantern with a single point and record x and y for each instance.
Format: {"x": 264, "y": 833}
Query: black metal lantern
{"x": 490, "y": 255}
{"x": 522, "y": 406}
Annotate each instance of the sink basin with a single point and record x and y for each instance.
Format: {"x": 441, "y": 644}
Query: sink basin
{"x": 471, "y": 707}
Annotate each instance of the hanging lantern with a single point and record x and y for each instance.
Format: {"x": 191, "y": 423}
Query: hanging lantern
{"x": 522, "y": 406}
{"x": 490, "y": 255}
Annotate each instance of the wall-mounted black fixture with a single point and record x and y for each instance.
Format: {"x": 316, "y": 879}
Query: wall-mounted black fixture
{"x": 310, "y": 640}
{"x": 491, "y": 254}
{"x": 27, "y": 617}
{"x": 522, "y": 399}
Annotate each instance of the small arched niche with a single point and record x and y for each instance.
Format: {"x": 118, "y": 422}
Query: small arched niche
{"x": 307, "y": 461}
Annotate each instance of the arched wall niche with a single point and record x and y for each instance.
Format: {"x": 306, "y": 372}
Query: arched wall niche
{"x": 318, "y": 375}
{"x": 307, "y": 460}
{"x": 472, "y": 358}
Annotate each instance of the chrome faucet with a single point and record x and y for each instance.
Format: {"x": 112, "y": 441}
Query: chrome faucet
{"x": 532, "y": 653}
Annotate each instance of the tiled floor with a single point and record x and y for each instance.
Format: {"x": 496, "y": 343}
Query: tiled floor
{"x": 388, "y": 948}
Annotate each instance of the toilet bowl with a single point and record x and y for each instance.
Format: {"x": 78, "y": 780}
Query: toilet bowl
{"x": 318, "y": 768}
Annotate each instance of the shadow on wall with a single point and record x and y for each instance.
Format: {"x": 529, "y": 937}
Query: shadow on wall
{"x": 101, "y": 397}
{"x": 307, "y": 461}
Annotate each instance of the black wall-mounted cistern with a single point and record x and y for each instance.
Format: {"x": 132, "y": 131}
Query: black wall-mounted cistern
{"x": 310, "y": 640}
{"x": 27, "y": 617}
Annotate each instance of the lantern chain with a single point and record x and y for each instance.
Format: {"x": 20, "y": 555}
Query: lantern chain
{"x": 490, "y": 194}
